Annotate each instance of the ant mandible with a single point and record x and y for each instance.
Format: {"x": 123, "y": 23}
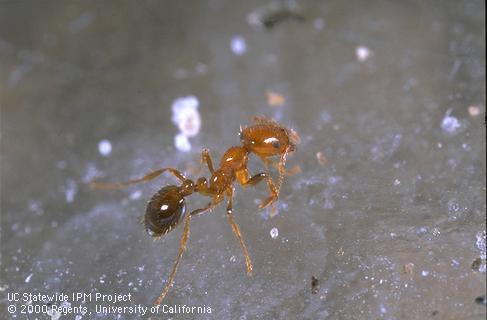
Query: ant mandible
{"x": 167, "y": 208}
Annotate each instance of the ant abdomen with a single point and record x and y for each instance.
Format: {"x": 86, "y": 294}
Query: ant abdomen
{"x": 164, "y": 211}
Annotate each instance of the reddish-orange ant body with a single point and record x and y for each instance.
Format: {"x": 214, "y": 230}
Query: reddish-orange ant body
{"x": 167, "y": 208}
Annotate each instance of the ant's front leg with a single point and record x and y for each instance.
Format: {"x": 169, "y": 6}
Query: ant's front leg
{"x": 244, "y": 179}
{"x": 205, "y": 157}
{"x": 147, "y": 177}
{"x": 236, "y": 231}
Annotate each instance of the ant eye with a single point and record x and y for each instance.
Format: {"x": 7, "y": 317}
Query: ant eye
{"x": 276, "y": 144}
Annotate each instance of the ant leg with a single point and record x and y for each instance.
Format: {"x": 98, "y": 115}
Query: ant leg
{"x": 182, "y": 248}
{"x": 216, "y": 200}
{"x": 245, "y": 180}
{"x": 205, "y": 157}
{"x": 147, "y": 177}
{"x": 236, "y": 231}
{"x": 294, "y": 170}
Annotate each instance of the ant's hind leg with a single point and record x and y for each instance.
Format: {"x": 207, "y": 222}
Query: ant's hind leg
{"x": 182, "y": 248}
{"x": 236, "y": 231}
{"x": 147, "y": 177}
{"x": 206, "y": 158}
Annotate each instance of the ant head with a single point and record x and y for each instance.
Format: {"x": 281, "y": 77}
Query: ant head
{"x": 165, "y": 211}
{"x": 269, "y": 139}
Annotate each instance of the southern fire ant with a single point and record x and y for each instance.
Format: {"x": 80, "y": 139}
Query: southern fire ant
{"x": 167, "y": 208}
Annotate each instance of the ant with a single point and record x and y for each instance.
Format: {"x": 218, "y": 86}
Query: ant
{"x": 167, "y": 207}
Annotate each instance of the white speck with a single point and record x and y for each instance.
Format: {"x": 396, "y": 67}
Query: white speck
{"x": 274, "y": 233}
{"x": 474, "y": 111}
{"x": 334, "y": 179}
{"x": 105, "y": 147}
{"x": 238, "y": 45}
{"x": 27, "y": 280}
{"x": 61, "y": 164}
{"x": 319, "y": 24}
{"x": 182, "y": 143}
{"x": 91, "y": 172}
{"x": 397, "y": 182}
{"x": 453, "y": 205}
{"x": 425, "y": 273}
{"x": 481, "y": 243}
{"x": 363, "y": 53}
{"x": 164, "y": 207}
{"x": 70, "y": 190}
{"x": 449, "y": 123}
{"x": 36, "y": 207}
{"x": 233, "y": 259}
{"x": 201, "y": 69}
{"x": 135, "y": 195}
{"x": 186, "y": 116}
{"x": 329, "y": 204}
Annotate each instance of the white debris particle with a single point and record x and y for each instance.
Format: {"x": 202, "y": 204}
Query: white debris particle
{"x": 397, "y": 182}
{"x": 27, "y": 280}
{"x": 238, "y": 45}
{"x": 481, "y": 238}
{"x": 182, "y": 143}
{"x": 91, "y": 172}
{"x": 233, "y": 259}
{"x": 481, "y": 245}
{"x": 274, "y": 233}
{"x": 186, "y": 116}
{"x": 425, "y": 273}
{"x": 453, "y": 205}
{"x": 70, "y": 190}
{"x": 318, "y": 24}
{"x": 201, "y": 68}
{"x": 36, "y": 207}
{"x": 474, "y": 111}
{"x": 61, "y": 164}
{"x": 363, "y": 53}
{"x": 105, "y": 147}
{"x": 135, "y": 195}
{"x": 334, "y": 179}
{"x": 449, "y": 123}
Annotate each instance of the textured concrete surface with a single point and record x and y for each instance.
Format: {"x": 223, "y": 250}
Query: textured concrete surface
{"x": 389, "y": 220}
